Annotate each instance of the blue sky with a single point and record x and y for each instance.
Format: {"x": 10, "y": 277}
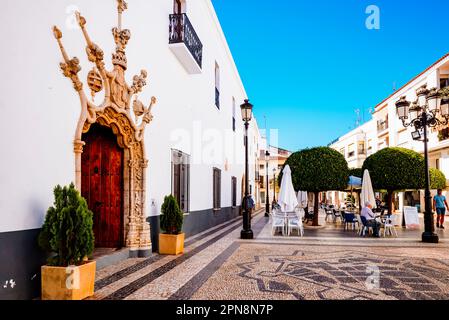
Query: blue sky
{"x": 307, "y": 65}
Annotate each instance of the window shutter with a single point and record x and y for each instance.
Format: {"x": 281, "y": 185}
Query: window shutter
{"x": 219, "y": 189}
{"x": 234, "y": 191}
{"x": 181, "y": 179}
{"x": 176, "y": 182}
{"x": 182, "y": 192}
{"x": 187, "y": 198}
{"x": 216, "y": 188}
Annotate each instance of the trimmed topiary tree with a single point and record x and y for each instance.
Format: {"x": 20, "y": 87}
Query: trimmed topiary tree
{"x": 394, "y": 169}
{"x": 172, "y": 217}
{"x": 437, "y": 179}
{"x": 67, "y": 232}
{"x": 317, "y": 170}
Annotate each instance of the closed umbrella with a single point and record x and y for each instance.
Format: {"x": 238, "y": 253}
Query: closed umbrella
{"x": 303, "y": 199}
{"x": 367, "y": 194}
{"x": 287, "y": 194}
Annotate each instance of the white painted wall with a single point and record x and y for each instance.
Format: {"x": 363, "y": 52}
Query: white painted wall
{"x": 353, "y": 137}
{"x": 40, "y": 108}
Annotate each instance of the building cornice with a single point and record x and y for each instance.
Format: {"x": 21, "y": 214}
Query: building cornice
{"x": 379, "y": 106}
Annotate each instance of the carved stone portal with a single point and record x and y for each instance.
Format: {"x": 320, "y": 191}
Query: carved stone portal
{"x": 114, "y": 112}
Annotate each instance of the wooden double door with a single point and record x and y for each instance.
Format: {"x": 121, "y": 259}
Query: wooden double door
{"x": 102, "y": 184}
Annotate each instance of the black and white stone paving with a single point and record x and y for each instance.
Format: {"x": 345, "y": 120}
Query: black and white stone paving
{"x": 327, "y": 263}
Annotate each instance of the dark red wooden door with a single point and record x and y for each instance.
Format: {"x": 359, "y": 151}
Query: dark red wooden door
{"x": 102, "y": 185}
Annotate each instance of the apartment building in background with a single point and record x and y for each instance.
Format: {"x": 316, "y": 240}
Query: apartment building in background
{"x": 386, "y": 130}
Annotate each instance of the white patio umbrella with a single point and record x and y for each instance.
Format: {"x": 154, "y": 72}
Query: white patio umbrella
{"x": 287, "y": 195}
{"x": 302, "y": 199}
{"x": 367, "y": 194}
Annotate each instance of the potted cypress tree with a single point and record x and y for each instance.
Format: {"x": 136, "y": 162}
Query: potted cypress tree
{"x": 67, "y": 235}
{"x": 171, "y": 241}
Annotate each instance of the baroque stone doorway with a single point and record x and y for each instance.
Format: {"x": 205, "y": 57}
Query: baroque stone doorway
{"x": 120, "y": 98}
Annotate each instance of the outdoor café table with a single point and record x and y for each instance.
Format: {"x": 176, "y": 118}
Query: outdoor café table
{"x": 380, "y": 218}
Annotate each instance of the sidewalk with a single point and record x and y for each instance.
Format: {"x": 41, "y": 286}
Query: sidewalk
{"x": 322, "y": 265}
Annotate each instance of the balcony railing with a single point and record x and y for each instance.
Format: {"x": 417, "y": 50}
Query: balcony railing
{"x": 182, "y": 31}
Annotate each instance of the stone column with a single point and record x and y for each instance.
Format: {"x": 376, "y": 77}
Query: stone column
{"x": 145, "y": 231}
{"x": 78, "y": 146}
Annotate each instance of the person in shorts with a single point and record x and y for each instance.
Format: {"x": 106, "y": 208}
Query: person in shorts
{"x": 440, "y": 205}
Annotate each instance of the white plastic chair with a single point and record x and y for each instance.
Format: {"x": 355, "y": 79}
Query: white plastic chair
{"x": 277, "y": 221}
{"x": 300, "y": 212}
{"x": 359, "y": 227}
{"x": 363, "y": 228}
{"x": 338, "y": 215}
{"x": 329, "y": 214}
{"x": 389, "y": 226}
{"x": 296, "y": 224}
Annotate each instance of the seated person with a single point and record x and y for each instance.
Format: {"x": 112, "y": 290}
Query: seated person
{"x": 369, "y": 215}
{"x": 274, "y": 205}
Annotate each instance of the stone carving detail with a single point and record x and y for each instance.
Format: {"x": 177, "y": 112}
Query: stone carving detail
{"x": 114, "y": 112}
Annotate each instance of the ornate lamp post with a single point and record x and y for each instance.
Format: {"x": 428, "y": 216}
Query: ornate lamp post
{"x": 274, "y": 185}
{"x": 246, "y": 233}
{"x": 431, "y": 109}
{"x": 267, "y": 198}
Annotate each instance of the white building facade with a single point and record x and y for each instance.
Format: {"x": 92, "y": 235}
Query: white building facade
{"x": 386, "y": 130}
{"x": 187, "y": 142}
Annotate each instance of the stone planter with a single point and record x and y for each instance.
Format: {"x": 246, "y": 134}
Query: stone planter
{"x": 171, "y": 244}
{"x": 68, "y": 283}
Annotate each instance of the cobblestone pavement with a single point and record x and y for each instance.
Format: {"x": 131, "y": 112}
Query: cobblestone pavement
{"x": 328, "y": 263}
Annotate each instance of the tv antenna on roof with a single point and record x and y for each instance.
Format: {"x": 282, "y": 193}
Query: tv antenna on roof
{"x": 358, "y": 119}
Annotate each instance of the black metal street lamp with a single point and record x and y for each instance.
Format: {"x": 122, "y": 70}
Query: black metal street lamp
{"x": 267, "y": 198}
{"x": 274, "y": 185}
{"x": 431, "y": 109}
{"x": 246, "y": 233}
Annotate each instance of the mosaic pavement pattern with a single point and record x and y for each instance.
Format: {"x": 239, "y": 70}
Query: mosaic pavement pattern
{"x": 284, "y": 272}
{"x": 337, "y": 265}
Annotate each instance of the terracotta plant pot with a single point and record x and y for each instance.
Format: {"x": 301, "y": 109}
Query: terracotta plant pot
{"x": 171, "y": 244}
{"x": 68, "y": 283}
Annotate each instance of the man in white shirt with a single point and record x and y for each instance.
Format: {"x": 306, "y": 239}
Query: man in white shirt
{"x": 370, "y": 217}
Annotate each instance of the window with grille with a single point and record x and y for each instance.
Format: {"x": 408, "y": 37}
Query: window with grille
{"x": 361, "y": 147}
{"x": 178, "y": 7}
{"x": 217, "y": 189}
{"x": 233, "y": 114}
{"x": 181, "y": 179}
{"x": 351, "y": 150}
{"x": 234, "y": 191}
{"x": 217, "y": 85}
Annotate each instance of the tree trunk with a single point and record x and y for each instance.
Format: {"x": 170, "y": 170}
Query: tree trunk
{"x": 390, "y": 201}
{"x": 359, "y": 192}
{"x": 315, "y": 210}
